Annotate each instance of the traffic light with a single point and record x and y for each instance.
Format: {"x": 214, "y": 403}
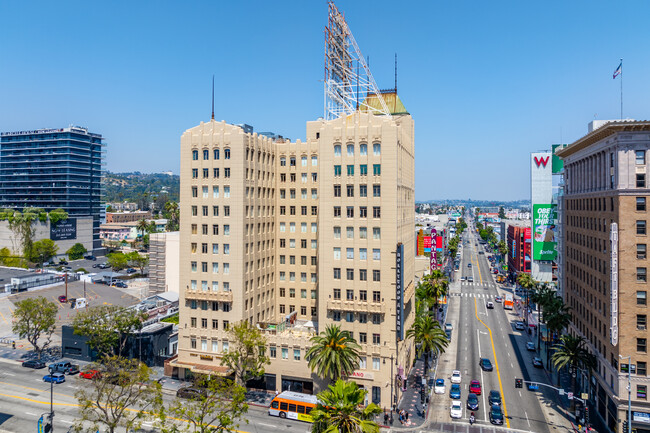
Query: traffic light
{"x": 625, "y": 427}
{"x": 519, "y": 383}
{"x": 587, "y": 415}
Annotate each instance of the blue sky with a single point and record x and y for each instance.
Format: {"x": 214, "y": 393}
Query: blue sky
{"x": 486, "y": 82}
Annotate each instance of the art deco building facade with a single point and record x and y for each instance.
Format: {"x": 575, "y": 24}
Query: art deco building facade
{"x": 294, "y": 236}
{"x": 605, "y": 221}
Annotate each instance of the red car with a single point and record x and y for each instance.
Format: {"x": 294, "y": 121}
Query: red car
{"x": 475, "y": 387}
{"x": 63, "y": 299}
{"x": 90, "y": 374}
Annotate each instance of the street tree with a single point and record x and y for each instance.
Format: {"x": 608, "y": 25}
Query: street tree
{"x": 34, "y": 319}
{"x": 43, "y": 250}
{"x": 428, "y": 336}
{"x": 219, "y": 407}
{"x": 341, "y": 409}
{"x": 137, "y": 260}
{"x": 118, "y": 260}
{"x": 121, "y": 396}
{"x": 108, "y": 327}
{"x": 333, "y": 354}
{"x": 246, "y": 356}
{"x": 142, "y": 227}
{"x": 76, "y": 251}
{"x": 571, "y": 352}
{"x": 502, "y": 213}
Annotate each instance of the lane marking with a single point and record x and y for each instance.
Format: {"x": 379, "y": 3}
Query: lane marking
{"x": 496, "y": 363}
{"x": 36, "y": 389}
{"x": 478, "y": 339}
{"x": 3, "y": 318}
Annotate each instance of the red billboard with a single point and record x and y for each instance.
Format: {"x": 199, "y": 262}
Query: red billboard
{"x": 427, "y": 242}
{"x": 439, "y": 242}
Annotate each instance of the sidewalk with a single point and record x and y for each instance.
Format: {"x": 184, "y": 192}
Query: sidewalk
{"x": 411, "y": 400}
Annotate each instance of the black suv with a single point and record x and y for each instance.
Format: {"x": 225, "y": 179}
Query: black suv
{"x": 494, "y": 398}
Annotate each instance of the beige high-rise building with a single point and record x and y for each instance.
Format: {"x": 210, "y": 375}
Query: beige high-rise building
{"x": 294, "y": 236}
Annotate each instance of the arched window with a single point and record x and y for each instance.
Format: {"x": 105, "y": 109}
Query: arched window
{"x": 350, "y": 149}
{"x": 337, "y": 150}
{"x": 216, "y": 153}
{"x": 363, "y": 149}
{"x": 195, "y": 155}
{"x": 206, "y": 154}
{"x": 376, "y": 149}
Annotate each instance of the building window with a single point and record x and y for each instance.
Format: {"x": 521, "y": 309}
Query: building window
{"x": 641, "y": 227}
{"x": 193, "y": 322}
{"x": 376, "y": 319}
{"x": 642, "y": 392}
{"x": 640, "y": 180}
{"x": 337, "y": 294}
{"x": 193, "y": 342}
{"x": 216, "y": 153}
{"x": 363, "y": 190}
{"x": 296, "y": 354}
{"x": 226, "y": 153}
{"x": 376, "y": 169}
{"x": 376, "y": 362}
{"x": 349, "y": 317}
{"x": 350, "y": 190}
{"x": 363, "y": 232}
{"x": 376, "y": 233}
{"x": 641, "y": 368}
{"x": 195, "y": 173}
{"x": 350, "y": 211}
{"x": 336, "y": 316}
{"x": 363, "y": 254}
{"x": 363, "y": 295}
{"x": 195, "y": 192}
{"x": 641, "y": 274}
{"x": 285, "y": 353}
{"x": 363, "y": 149}
{"x": 337, "y": 190}
{"x": 641, "y": 297}
{"x": 337, "y": 150}
{"x": 206, "y": 154}
{"x": 363, "y": 169}
{"x": 376, "y": 275}
{"x": 376, "y": 395}
{"x": 195, "y": 155}
{"x": 337, "y": 273}
{"x": 363, "y": 318}
{"x": 376, "y": 149}
{"x": 337, "y": 232}
{"x": 273, "y": 351}
{"x": 641, "y": 345}
{"x": 640, "y": 203}
{"x": 349, "y": 273}
{"x": 376, "y": 296}
{"x": 303, "y": 161}
{"x": 349, "y": 295}
{"x": 363, "y": 212}
{"x": 349, "y": 253}
{"x": 640, "y": 157}
{"x": 640, "y": 251}
{"x": 376, "y": 190}
{"x": 641, "y": 321}
{"x": 314, "y": 161}
{"x": 337, "y": 171}
{"x": 376, "y": 339}
{"x": 337, "y": 211}
{"x": 363, "y": 338}
{"x": 376, "y": 212}
{"x": 350, "y": 170}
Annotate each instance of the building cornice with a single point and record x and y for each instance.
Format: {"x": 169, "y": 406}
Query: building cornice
{"x": 602, "y": 133}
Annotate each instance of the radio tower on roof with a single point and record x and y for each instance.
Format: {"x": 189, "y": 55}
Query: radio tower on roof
{"x": 348, "y": 81}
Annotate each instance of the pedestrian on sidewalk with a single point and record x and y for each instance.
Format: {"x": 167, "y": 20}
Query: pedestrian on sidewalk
{"x": 385, "y": 417}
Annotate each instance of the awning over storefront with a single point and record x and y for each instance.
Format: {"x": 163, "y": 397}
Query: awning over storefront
{"x": 217, "y": 370}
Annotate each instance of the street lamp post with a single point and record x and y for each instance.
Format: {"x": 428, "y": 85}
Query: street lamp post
{"x": 629, "y": 390}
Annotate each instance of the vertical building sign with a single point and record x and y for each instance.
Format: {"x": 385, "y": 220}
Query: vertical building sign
{"x": 613, "y": 321}
{"x": 433, "y": 261}
{"x": 399, "y": 292}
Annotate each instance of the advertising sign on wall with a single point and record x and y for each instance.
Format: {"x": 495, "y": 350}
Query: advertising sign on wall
{"x": 64, "y": 230}
{"x": 544, "y": 232}
{"x": 613, "y": 320}
{"x": 399, "y": 292}
{"x": 427, "y": 244}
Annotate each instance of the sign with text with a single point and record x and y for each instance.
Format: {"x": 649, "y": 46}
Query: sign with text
{"x": 399, "y": 291}
{"x": 544, "y": 232}
{"x": 64, "y": 230}
{"x": 613, "y": 308}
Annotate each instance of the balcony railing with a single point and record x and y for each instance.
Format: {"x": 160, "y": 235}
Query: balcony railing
{"x": 356, "y": 305}
{"x": 208, "y": 295}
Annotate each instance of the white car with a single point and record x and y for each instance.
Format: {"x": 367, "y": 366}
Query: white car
{"x": 456, "y": 409}
{"x": 440, "y": 387}
{"x": 455, "y": 376}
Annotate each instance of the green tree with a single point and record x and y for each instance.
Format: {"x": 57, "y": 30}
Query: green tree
{"x": 43, "y": 250}
{"x": 502, "y": 248}
{"x": 7, "y": 258}
{"x": 118, "y": 260}
{"x": 76, "y": 251}
{"x": 34, "y": 319}
{"x": 428, "y": 336}
{"x": 142, "y": 227}
{"x": 502, "y": 213}
{"x": 246, "y": 355}
{"x": 438, "y": 286}
{"x": 172, "y": 214}
{"x": 341, "y": 410}
{"x": 22, "y": 228}
{"x": 571, "y": 352}
{"x": 219, "y": 409}
{"x": 107, "y": 327}
{"x": 137, "y": 260}
{"x": 334, "y": 353}
{"x": 123, "y": 395}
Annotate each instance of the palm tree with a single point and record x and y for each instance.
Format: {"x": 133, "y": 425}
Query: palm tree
{"x": 171, "y": 208}
{"x": 439, "y": 285}
{"x": 340, "y": 409}
{"x": 142, "y": 227}
{"x": 334, "y": 353}
{"x": 428, "y": 336}
{"x": 571, "y": 352}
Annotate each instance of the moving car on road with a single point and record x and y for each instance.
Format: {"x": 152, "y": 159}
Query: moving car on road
{"x": 456, "y": 410}
{"x": 472, "y": 402}
{"x": 455, "y": 376}
{"x": 454, "y": 391}
{"x": 54, "y": 377}
{"x": 34, "y": 363}
{"x": 494, "y": 398}
{"x": 537, "y": 362}
{"x": 496, "y": 415}
{"x": 439, "y": 387}
{"x": 530, "y": 346}
{"x": 489, "y": 304}
{"x": 485, "y": 364}
{"x": 475, "y": 387}
{"x": 498, "y": 299}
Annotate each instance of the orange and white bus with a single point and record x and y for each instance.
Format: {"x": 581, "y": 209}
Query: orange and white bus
{"x": 507, "y": 302}
{"x": 293, "y": 405}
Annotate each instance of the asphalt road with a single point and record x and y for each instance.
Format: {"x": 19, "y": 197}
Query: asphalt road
{"x": 489, "y": 333}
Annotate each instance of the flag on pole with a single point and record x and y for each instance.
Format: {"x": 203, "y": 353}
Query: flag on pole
{"x": 618, "y": 71}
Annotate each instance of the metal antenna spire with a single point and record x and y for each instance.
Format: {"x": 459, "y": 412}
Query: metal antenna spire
{"x": 395, "y": 72}
{"x": 212, "y": 96}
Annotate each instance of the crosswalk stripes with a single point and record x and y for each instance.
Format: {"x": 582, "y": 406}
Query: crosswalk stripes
{"x": 471, "y": 295}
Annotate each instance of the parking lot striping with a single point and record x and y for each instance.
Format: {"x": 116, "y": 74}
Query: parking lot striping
{"x": 496, "y": 364}
{"x": 3, "y": 317}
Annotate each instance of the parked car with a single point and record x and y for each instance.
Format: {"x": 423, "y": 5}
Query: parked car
{"x": 120, "y": 284}
{"x": 93, "y": 258}
{"x": 63, "y": 299}
{"x": 97, "y": 265}
{"x": 485, "y": 364}
{"x": 59, "y": 367}
{"x": 475, "y": 387}
{"x": 191, "y": 393}
{"x": 455, "y": 376}
{"x": 73, "y": 369}
{"x": 54, "y": 377}
{"x": 496, "y": 415}
{"x": 494, "y": 398}
{"x": 34, "y": 363}
{"x": 63, "y": 262}
{"x": 131, "y": 271}
{"x": 448, "y": 327}
{"x": 103, "y": 266}
{"x": 456, "y": 409}
{"x": 90, "y": 374}
{"x": 530, "y": 346}
{"x": 519, "y": 326}
{"x": 537, "y": 362}
{"x": 472, "y": 402}
{"x": 454, "y": 391}
{"x": 439, "y": 387}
